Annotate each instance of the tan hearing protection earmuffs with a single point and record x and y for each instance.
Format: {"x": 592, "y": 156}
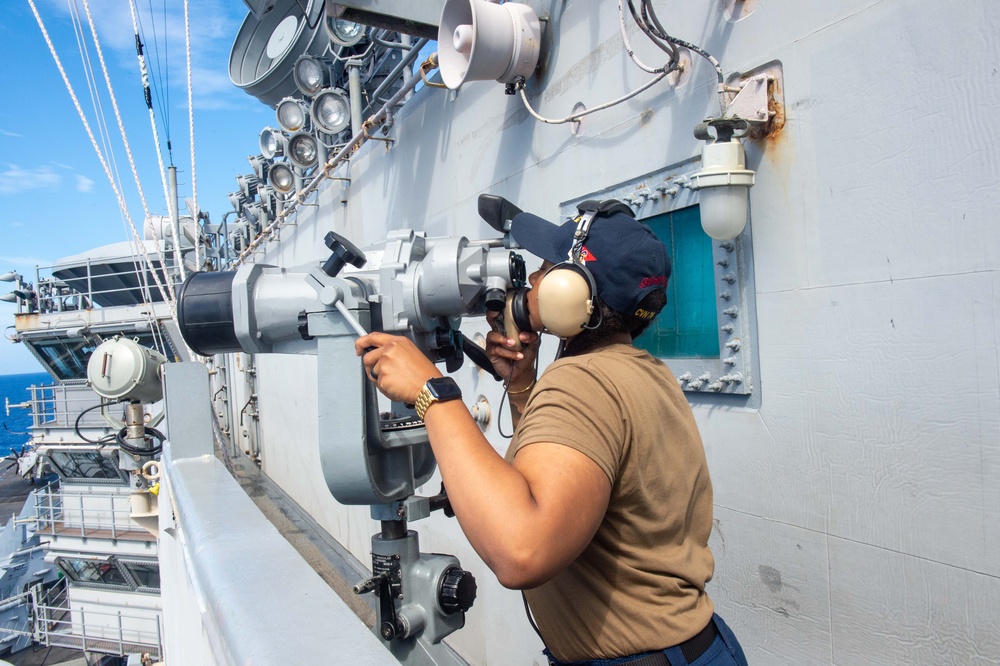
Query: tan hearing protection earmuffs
{"x": 567, "y": 294}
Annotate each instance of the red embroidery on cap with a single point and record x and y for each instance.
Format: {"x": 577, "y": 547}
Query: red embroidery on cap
{"x": 654, "y": 281}
{"x": 586, "y": 255}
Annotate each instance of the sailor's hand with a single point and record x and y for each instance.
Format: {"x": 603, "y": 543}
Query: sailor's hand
{"x": 395, "y": 365}
{"x": 517, "y": 367}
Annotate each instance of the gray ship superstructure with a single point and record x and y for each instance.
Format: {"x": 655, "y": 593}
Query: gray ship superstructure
{"x": 825, "y": 181}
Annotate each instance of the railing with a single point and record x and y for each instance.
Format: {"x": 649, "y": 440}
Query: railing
{"x": 58, "y": 623}
{"x": 19, "y": 627}
{"x": 86, "y": 284}
{"x": 101, "y": 515}
{"x": 58, "y": 405}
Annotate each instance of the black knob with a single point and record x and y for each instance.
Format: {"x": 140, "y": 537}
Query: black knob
{"x": 458, "y": 591}
{"x": 495, "y": 299}
{"x": 344, "y": 252}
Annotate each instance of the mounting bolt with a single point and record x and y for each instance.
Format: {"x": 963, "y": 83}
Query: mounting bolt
{"x": 728, "y": 246}
{"x": 728, "y": 328}
{"x": 724, "y": 262}
{"x": 729, "y": 360}
{"x": 734, "y": 378}
{"x": 726, "y": 295}
{"x": 733, "y": 312}
{"x": 734, "y": 345}
{"x": 729, "y": 278}
{"x": 715, "y": 386}
{"x": 686, "y": 377}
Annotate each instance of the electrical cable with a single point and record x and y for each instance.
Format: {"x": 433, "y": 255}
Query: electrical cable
{"x": 76, "y": 426}
{"x": 506, "y": 398}
{"x": 576, "y": 116}
{"x": 148, "y": 435}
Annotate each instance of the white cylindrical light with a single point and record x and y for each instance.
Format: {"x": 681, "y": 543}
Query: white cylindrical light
{"x": 723, "y": 184}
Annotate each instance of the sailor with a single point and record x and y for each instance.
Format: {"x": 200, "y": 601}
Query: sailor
{"x": 602, "y": 508}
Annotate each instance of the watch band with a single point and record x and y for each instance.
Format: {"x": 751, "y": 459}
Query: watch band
{"x": 436, "y": 389}
{"x": 424, "y": 400}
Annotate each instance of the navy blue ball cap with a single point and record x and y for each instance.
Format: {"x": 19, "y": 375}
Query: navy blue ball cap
{"x": 625, "y": 257}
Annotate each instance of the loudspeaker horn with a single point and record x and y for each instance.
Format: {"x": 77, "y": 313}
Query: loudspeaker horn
{"x": 479, "y": 41}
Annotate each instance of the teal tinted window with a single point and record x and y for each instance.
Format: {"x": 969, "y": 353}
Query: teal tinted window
{"x": 688, "y": 326}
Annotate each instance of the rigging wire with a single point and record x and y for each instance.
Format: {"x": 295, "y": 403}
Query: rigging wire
{"x": 163, "y": 96}
{"x": 128, "y": 152}
{"x": 194, "y": 174}
{"x": 114, "y": 106}
{"x": 147, "y": 92}
{"x": 104, "y": 164}
{"x": 105, "y": 133}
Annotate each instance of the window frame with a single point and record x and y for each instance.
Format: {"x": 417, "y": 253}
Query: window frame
{"x": 666, "y": 191}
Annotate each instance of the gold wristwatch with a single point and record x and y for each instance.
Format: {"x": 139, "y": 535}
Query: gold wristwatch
{"x": 437, "y": 389}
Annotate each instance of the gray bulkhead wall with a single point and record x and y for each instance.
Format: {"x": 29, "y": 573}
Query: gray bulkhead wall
{"x": 857, "y": 509}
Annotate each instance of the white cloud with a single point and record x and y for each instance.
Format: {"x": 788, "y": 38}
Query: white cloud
{"x": 13, "y": 134}
{"x": 84, "y": 184}
{"x": 15, "y": 179}
{"x": 15, "y": 223}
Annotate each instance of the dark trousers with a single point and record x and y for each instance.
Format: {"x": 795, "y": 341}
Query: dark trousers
{"x": 724, "y": 650}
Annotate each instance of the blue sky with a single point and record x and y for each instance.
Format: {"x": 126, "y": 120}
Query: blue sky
{"x": 55, "y": 197}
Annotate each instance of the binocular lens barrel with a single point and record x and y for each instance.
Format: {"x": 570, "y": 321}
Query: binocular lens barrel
{"x": 205, "y": 313}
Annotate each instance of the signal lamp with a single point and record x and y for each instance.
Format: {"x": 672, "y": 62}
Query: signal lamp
{"x": 303, "y": 150}
{"x": 344, "y": 33}
{"x": 292, "y": 114}
{"x": 272, "y": 143}
{"x": 282, "y": 179}
{"x": 310, "y": 74}
{"x": 331, "y": 110}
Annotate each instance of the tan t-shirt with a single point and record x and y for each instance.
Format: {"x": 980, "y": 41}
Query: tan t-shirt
{"x": 640, "y": 584}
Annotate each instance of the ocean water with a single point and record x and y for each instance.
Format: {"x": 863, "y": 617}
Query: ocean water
{"x": 13, "y": 427}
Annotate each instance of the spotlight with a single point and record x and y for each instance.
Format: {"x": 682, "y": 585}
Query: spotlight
{"x": 311, "y": 74}
{"x": 248, "y": 185}
{"x": 9, "y": 298}
{"x": 282, "y": 178}
{"x": 303, "y": 150}
{"x": 236, "y": 199}
{"x": 331, "y": 110}
{"x": 344, "y": 33}
{"x": 12, "y": 276}
{"x": 272, "y": 143}
{"x": 293, "y": 114}
{"x": 259, "y": 165}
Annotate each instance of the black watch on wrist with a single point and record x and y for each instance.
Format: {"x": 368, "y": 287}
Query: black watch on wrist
{"x": 437, "y": 389}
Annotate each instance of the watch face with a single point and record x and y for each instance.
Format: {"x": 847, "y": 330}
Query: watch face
{"x": 444, "y": 388}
